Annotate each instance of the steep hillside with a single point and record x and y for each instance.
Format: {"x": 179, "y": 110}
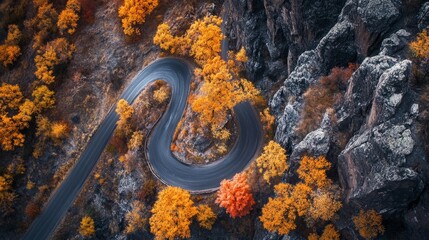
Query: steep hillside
{"x": 340, "y": 87}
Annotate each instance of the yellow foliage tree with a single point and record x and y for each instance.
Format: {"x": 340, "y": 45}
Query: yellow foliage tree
{"x": 87, "y": 227}
{"x": 134, "y": 12}
{"x": 10, "y": 97}
{"x": 300, "y": 194}
{"x": 125, "y": 112}
{"x": 324, "y": 205}
{"x": 44, "y": 126}
{"x": 56, "y": 52}
{"x": 272, "y": 161}
{"x": 135, "y": 219}
{"x": 14, "y": 35}
{"x": 59, "y": 131}
{"x": 241, "y": 55}
{"x": 166, "y": 41}
{"x": 206, "y": 36}
{"x": 68, "y": 18}
{"x": 15, "y": 114}
{"x": 43, "y": 23}
{"x": 313, "y": 171}
{"x": 369, "y": 224}
{"x": 10, "y": 49}
{"x": 43, "y": 98}
{"x": 267, "y": 120}
{"x": 206, "y": 216}
{"x": 161, "y": 95}
{"x": 9, "y": 54}
{"x": 278, "y": 215}
{"x": 172, "y": 214}
{"x": 313, "y": 200}
{"x": 136, "y": 140}
{"x": 329, "y": 233}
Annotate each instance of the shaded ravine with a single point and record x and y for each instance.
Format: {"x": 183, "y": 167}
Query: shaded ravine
{"x": 177, "y": 73}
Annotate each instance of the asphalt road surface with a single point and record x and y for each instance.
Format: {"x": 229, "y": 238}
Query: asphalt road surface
{"x": 163, "y": 164}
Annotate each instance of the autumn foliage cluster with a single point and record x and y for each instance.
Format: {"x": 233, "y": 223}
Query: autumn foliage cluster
{"x": 173, "y": 213}
{"x": 87, "y": 227}
{"x": 125, "y": 112}
{"x": 323, "y": 96}
{"x": 16, "y": 110}
{"x": 68, "y": 18}
{"x": 135, "y": 219}
{"x": 134, "y": 13}
{"x": 15, "y": 113}
{"x": 235, "y": 196}
{"x": 7, "y": 193}
{"x": 314, "y": 198}
{"x": 420, "y": 47}
{"x": 55, "y": 52}
{"x": 10, "y": 49}
{"x": 222, "y": 86}
{"x": 272, "y": 162}
{"x": 369, "y": 224}
{"x": 329, "y": 233}
{"x": 43, "y": 24}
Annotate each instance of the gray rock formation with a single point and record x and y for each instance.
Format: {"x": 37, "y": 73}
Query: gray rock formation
{"x": 276, "y": 32}
{"x": 383, "y": 165}
{"x": 396, "y": 45}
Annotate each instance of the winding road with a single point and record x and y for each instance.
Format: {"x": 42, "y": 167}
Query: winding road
{"x": 163, "y": 164}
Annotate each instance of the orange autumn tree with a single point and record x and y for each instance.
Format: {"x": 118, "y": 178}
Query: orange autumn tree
{"x": 166, "y": 41}
{"x": 272, "y": 161}
{"x": 420, "y": 47}
{"x": 329, "y": 233}
{"x": 172, "y": 214}
{"x": 206, "y": 216}
{"x": 15, "y": 115}
{"x": 312, "y": 171}
{"x": 314, "y": 198}
{"x": 134, "y": 13}
{"x": 10, "y": 49}
{"x": 267, "y": 120}
{"x": 87, "y": 227}
{"x": 56, "y": 52}
{"x": 235, "y": 196}
{"x": 59, "y": 131}
{"x": 43, "y": 24}
{"x": 202, "y": 40}
{"x": 369, "y": 224}
{"x": 279, "y": 214}
{"x": 136, "y": 140}
{"x": 43, "y": 98}
{"x": 68, "y": 18}
{"x": 206, "y": 36}
{"x": 125, "y": 112}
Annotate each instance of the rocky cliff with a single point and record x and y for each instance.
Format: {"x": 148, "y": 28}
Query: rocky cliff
{"x": 382, "y": 164}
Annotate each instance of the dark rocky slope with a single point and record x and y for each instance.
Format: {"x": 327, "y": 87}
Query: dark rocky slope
{"x": 383, "y": 165}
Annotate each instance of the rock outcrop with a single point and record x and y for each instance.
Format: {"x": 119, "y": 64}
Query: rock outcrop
{"x": 382, "y": 166}
{"x": 276, "y": 32}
